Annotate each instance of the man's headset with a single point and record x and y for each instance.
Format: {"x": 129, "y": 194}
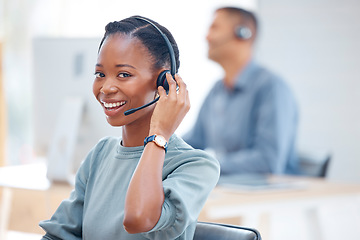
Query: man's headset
{"x": 243, "y": 32}
{"x": 161, "y": 80}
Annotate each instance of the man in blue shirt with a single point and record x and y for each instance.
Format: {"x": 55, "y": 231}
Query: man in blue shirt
{"x": 249, "y": 118}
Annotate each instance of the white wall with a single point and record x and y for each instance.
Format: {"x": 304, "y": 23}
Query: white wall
{"x": 315, "y": 46}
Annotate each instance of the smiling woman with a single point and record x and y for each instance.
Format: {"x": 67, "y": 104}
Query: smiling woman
{"x": 145, "y": 184}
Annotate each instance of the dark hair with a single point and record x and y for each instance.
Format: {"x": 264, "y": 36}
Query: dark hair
{"x": 149, "y": 36}
{"x": 247, "y": 18}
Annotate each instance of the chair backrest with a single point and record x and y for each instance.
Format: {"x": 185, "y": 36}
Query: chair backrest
{"x": 217, "y": 231}
{"x": 314, "y": 165}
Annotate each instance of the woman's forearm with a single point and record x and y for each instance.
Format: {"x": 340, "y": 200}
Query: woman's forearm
{"x": 145, "y": 195}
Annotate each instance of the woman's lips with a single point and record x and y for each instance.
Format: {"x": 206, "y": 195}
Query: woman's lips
{"x": 112, "y": 108}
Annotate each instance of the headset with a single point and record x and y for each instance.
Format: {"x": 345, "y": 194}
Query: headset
{"x": 243, "y": 32}
{"x": 161, "y": 80}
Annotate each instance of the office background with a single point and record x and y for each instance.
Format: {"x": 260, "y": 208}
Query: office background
{"x": 314, "y": 45}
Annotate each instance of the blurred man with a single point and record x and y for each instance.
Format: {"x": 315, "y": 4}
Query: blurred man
{"x": 249, "y": 118}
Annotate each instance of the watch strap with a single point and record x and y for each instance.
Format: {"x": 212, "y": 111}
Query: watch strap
{"x": 152, "y": 139}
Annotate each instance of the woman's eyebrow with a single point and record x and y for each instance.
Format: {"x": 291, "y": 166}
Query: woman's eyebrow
{"x": 125, "y": 65}
{"x": 117, "y": 65}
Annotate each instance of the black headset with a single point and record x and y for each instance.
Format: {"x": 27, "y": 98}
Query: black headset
{"x": 161, "y": 80}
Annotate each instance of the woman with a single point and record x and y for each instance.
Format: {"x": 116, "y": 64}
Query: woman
{"x": 123, "y": 189}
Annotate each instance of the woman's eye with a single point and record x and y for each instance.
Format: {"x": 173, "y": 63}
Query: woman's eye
{"x": 99, "y": 75}
{"x": 124, "y": 75}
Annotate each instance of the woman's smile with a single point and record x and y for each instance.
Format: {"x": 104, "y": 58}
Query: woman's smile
{"x": 112, "y": 108}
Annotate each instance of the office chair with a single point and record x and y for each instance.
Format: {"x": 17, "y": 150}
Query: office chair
{"x": 217, "y": 231}
{"x": 314, "y": 165}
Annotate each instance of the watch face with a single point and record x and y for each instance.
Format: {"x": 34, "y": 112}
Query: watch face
{"x": 160, "y": 141}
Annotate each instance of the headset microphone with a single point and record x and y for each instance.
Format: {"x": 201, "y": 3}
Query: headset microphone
{"x": 130, "y": 111}
{"x": 161, "y": 80}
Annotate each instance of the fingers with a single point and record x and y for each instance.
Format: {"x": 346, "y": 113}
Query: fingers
{"x": 172, "y": 83}
{"x": 181, "y": 96}
{"x": 172, "y": 107}
{"x": 181, "y": 84}
{"x": 161, "y": 92}
{"x": 177, "y": 83}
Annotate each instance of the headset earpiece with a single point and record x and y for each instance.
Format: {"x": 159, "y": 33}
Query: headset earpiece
{"x": 243, "y": 32}
{"x": 161, "y": 80}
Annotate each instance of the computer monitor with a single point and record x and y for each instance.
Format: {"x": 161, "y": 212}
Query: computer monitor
{"x": 67, "y": 119}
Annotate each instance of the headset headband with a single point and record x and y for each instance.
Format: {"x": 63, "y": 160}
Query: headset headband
{"x": 168, "y": 44}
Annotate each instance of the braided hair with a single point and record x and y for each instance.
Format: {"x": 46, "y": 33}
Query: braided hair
{"x": 149, "y": 37}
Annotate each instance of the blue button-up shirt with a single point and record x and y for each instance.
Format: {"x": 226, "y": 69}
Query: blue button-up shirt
{"x": 251, "y": 127}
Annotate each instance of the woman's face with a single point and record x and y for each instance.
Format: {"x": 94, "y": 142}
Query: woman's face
{"x": 124, "y": 79}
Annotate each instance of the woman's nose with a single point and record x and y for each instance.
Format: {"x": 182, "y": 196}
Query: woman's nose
{"x": 108, "y": 87}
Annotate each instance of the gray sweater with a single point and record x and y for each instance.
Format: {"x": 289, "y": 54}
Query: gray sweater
{"x": 95, "y": 209}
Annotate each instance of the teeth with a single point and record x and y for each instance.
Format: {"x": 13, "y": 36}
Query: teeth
{"x": 112, "y": 105}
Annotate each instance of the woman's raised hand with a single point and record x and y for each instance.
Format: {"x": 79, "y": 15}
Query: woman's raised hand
{"x": 171, "y": 108}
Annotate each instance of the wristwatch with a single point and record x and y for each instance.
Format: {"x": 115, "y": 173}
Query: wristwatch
{"x": 158, "y": 140}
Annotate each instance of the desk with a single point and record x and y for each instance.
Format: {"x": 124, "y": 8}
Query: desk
{"x": 28, "y": 197}
{"x": 253, "y": 208}
{"x": 24, "y": 204}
